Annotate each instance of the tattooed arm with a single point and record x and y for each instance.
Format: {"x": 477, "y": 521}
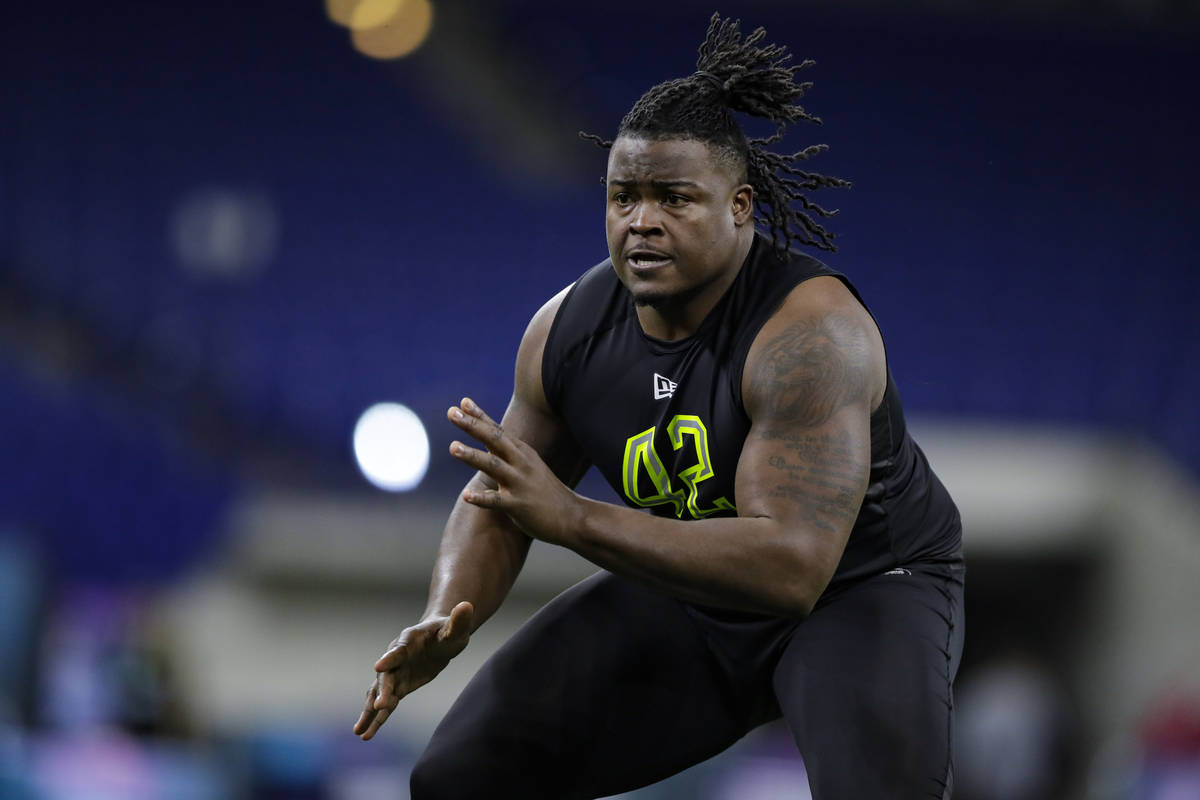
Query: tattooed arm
{"x": 812, "y": 377}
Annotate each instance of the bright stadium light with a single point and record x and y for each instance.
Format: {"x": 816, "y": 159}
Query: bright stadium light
{"x": 368, "y": 14}
{"x": 340, "y": 11}
{"x": 391, "y": 447}
{"x": 396, "y": 35}
{"x": 383, "y": 29}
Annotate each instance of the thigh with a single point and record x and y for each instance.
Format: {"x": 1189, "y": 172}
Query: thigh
{"x": 607, "y": 688}
{"x": 865, "y": 686}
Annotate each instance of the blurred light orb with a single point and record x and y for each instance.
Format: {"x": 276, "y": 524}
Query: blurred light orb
{"x": 391, "y": 447}
{"x": 340, "y": 11}
{"x": 368, "y": 14}
{"x": 396, "y": 35}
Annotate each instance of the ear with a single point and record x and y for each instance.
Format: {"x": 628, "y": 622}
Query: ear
{"x": 743, "y": 205}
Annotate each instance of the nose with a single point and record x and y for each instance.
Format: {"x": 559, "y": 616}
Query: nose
{"x": 645, "y": 219}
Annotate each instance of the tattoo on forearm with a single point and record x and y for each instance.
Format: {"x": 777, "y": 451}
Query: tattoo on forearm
{"x": 812, "y": 369}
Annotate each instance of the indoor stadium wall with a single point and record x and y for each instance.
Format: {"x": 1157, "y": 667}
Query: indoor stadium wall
{"x": 1069, "y": 534}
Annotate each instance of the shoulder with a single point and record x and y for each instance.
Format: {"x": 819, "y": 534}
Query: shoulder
{"x": 588, "y": 292}
{"x": 819, "y": 351}
{"x": 528, "y": 416}
{"x": 597, "y": 279}
{"x": 533, "y": 344}
{"x": 590, "y": 308}
{"x": 592, "y": 298}
{"x": 819, "y": 294}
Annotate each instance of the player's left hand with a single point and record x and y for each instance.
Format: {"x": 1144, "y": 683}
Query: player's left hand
{"x": 526, "y": 489}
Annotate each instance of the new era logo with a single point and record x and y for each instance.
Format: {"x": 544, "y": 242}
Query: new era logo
{"x": 663, "y": 387}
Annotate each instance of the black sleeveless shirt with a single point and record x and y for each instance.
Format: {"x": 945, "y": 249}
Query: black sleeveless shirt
{"x": 664, "y": 421}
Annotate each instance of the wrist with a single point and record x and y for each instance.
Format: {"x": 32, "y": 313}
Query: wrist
{"x": 439, "y": 609}
{"x": 573, "y": 525}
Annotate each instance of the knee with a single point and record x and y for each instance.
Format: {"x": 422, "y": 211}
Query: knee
{"x": 433, "y": 777}
{"x": 457, "y": 770}
{"x": 452, "y": 768}
{"x": 453, "y": 771}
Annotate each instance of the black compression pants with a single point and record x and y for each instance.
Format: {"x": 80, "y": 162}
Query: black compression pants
{"x": 612, "y": 686}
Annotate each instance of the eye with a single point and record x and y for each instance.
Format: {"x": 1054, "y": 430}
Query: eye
{"x": 677, "y": 200}
{"x": 622, "y": 198}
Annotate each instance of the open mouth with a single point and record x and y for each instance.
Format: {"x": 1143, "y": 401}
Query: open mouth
{"x": 642, "y": 260}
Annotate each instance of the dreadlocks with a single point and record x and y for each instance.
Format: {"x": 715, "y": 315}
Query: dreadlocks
{"x": 736, "y": 74}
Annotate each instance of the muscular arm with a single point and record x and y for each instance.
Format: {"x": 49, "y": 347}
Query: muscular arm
{"x": 811, "y": 379}
{"x": 813, "y": 376}
{"x": 482, "y": 550}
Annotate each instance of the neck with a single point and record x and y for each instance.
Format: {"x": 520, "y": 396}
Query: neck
{"x": 681, "y": 317}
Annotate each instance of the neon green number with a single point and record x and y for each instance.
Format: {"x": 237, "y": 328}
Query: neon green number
{"x": 689, "y": 425}
{"x": 639, "y": 452}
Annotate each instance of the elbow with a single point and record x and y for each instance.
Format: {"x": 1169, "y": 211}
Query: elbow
{"x": 789, "y": 603}
{"x": 800, "y": 602}
{"x": 804, "y": 585}
{"x": 788, "y": 573}
{"x": 793, "y": 596}
{"x": 805, "y": 606}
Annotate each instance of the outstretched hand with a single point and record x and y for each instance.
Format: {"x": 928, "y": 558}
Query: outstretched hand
{"x": 413, "y": 659}
{"x": 526, "y": 489}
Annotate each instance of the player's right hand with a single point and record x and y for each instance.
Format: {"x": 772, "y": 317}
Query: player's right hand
{"x": 413, "y": 659}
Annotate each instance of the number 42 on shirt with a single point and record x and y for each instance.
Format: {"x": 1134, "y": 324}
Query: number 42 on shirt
{"x": 640, "y": 452}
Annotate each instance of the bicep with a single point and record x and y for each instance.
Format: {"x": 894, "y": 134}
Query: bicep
{"x": 529, "y": 416}
{"x": 806, "y": 460}
{"x": 546, "y": 433}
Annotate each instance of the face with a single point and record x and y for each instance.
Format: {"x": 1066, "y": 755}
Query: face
{"x": 679, "y": 222}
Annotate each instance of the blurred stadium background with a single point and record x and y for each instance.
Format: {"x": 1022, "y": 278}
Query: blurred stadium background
{"x": 229, "y": 229}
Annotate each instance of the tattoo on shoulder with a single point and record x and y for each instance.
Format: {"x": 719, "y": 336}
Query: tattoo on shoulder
{"x": 812, "y": 369}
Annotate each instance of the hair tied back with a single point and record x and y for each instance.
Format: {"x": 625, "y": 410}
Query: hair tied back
{"x": 712, "y": 78}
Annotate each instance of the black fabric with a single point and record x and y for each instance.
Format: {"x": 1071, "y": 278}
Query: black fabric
{"x": 601, "y": 373}
{"x": 613, "y": 686}
{"x": 866, "y": 685}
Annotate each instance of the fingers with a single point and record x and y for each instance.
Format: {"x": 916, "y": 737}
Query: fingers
{"x": 375, "y": 724}
{"x": 381, "y": 702}
{"x": 458, "y": 626}
{"x": 395, "y": 655}
{"x": 390, "y": 667}
{"x": 489, "y": 463}
{"x": 397, "y": 675}
{"x": 474, "y": 420}
{"x": 368, "y": 713}
{"x": 387, "y": 690}
{"x": 487, "y": 498}
{"x": 472, "y": 408}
